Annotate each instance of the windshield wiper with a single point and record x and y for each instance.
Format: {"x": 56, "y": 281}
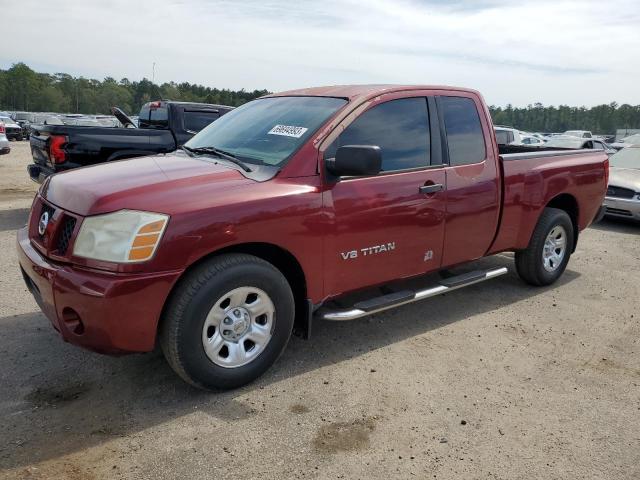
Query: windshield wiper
{"x": 219, "y": 153}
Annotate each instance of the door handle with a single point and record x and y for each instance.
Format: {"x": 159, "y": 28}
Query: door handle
{"x": 431, "y": 188}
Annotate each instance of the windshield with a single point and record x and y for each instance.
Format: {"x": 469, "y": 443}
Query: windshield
{"x": 626, "y": 158}
{"x": 267, "y": 130}
{"x": 6, "y": 120}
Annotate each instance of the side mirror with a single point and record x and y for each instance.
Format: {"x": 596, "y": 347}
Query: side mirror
{"x": 356, "y": 160}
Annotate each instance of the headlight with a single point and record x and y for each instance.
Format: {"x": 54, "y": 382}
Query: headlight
{"x": 126, "y": 236}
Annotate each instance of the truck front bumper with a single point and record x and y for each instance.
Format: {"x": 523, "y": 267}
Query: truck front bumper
{"x": 622, "y": 207}
{"x": 100, "y": 311}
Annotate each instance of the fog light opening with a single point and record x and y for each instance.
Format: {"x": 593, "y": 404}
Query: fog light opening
{"x": 72, "y": 321}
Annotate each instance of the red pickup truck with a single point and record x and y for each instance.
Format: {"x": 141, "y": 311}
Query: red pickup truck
{"x": 287, "y": 203}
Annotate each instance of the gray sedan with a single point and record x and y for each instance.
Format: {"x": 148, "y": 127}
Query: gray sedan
{"x": 4, "y": 144}
{"x": 623, "y": 194}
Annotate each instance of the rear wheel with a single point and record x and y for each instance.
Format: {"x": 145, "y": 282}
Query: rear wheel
{"x": 227, "y": 322}
{"x": 547, "y": 255}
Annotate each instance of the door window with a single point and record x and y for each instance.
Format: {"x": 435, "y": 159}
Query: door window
{"x": 464, "y": 131}
{"x": 399, "y": 127}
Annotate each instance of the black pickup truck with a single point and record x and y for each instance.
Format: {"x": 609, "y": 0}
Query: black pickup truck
{"x": 163, "y": 126}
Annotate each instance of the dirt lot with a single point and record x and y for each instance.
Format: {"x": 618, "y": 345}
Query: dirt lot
{"x": 500, "y": 380}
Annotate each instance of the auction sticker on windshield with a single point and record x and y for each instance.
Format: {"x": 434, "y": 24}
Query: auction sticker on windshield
{"x": 287, "y": 131}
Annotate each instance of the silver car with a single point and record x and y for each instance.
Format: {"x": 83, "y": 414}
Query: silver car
{"x": 4, "y": 144}
{"x": 623, "y": 194}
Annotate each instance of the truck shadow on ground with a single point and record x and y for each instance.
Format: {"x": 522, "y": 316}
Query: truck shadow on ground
{"x": 618, "y": 225}
{"x": 57, "y": 399}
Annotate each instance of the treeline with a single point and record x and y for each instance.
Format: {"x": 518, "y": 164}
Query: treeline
{"x": 604, "y": 119}
{"x": 21, "y": 88}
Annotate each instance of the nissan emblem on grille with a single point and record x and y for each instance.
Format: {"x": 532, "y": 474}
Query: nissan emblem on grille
{"x": 42, "y": 224}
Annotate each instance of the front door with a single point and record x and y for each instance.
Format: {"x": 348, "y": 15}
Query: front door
{"x": 391, "y": 225}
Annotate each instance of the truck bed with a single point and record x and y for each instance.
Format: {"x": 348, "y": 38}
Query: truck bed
{"x": 532, "y": 179}
{"x": 91, "y": 145}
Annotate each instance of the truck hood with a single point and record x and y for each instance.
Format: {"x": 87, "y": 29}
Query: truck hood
{"x": 161, "y": 183}
{"x": 625, "y": 178}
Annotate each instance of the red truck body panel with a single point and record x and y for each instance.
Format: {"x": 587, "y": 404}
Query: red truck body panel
{"x": 529, "y": 185}
{"x": 484, "y": 208}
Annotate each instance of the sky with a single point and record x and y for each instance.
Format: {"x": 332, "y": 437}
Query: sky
{"x": 519, "y": 52}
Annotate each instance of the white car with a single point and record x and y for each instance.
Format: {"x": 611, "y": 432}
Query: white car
{"x": 532, "y": 140}
{"x": 566, "y": 141}
{"x": 625, "y": 142}
{"x": 578, "y": 133}
{"x": 508, "y": 135}
{"x": 513, "y": 136}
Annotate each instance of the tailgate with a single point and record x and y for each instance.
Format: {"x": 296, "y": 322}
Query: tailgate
{"x": 39, "y": 141}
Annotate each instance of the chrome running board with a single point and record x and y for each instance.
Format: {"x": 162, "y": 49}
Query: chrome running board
{"x": 396, "y": 299}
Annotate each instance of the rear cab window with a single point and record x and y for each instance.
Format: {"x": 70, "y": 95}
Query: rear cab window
{"x": 196, "y": 120}
{"x": 154, "y": 115}
{"x": 399, "y": 127}
{"x": 465, "y": 137}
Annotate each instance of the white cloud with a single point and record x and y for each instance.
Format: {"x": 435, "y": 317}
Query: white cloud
{"x": 572, "y": 52}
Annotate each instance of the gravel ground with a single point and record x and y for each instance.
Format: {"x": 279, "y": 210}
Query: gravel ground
{"x": 499, "y": 380}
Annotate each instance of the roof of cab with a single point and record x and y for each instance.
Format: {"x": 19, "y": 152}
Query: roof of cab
{"x": 353, "y": 92}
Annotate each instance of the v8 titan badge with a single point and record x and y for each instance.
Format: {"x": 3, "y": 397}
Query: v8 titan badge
{"x": 366, "y": 251}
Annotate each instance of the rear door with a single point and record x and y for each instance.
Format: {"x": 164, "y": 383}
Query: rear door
{"x": 387, "y": 226}
{"x": 472, "y": 178}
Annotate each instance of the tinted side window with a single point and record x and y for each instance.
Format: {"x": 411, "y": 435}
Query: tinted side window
{"x": 399, "y": 127}
{"x": 464, "y": 131}
{"x": 195, "y": 121}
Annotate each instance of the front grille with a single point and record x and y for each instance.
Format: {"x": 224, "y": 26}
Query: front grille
{"x": 68, "y": 224}
{"x": 57, "y": 240}
{"x": 620, "y": 192}
{"x": 48, "y": 209}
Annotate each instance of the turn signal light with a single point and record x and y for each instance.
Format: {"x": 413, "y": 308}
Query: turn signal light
{"x": 145, "y": 241}
{"x": 57, "y": 153}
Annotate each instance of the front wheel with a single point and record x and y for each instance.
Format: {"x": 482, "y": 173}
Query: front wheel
{"x": 227, "y": 322}
{"x": 547, "y": 255}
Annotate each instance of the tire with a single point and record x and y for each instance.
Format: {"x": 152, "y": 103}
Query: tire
{"x": 537, "y": 266}
{"x": 196, "y": 351}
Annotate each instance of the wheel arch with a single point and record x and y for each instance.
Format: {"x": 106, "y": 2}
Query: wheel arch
{"x": 569, "y": 204}
{"x": 281, "y": 259}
